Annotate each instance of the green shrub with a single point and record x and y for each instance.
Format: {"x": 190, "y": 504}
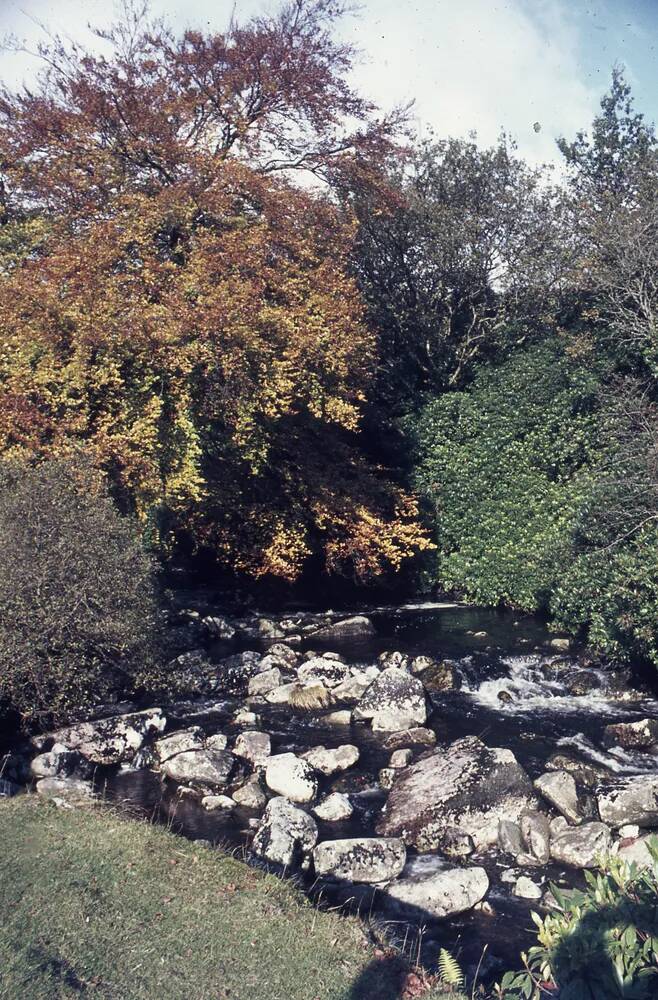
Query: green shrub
{"x": 78, "y": 604}
{"x": 601, "y": 944}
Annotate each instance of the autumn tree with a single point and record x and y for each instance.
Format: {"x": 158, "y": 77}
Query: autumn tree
{"x": 182, "y": 306}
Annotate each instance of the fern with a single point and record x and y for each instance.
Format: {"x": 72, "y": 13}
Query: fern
{"x": 449, "y": 969}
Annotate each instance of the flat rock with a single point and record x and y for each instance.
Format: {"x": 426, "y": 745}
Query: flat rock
{"x": 364, "y": 859}
{"x": 333, "y": 761}
{"x": 186, "y": 739}
{"x": 284, "y": 833}
{"x": 443, "y": 894}
{"x": 320, "y": 670}
{"x": 218, "y": 803}
{"x": 115, "y": 740}
{"x": 581, "y": 847}
{"x": 525, "y": 888}
{"x": 468, "y": 786}
{"x": 67, "y": 793}
{"x": 358, "y": 626}
{"x": 559, "y": 788}
{"x": 418, "y": 736}
{"x": 394, "y": 701}
{"x": 290, "y": 776}
{"x": 212, "y": 769}
{"x": 629, "y": 800}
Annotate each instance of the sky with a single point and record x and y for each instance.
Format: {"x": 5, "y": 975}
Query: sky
{"x": 470, "y": 65}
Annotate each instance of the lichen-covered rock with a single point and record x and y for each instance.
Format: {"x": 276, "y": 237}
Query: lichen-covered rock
{"x": 418, "y": 736}
{"x": 185, "y": 739}
{"x": 264, "y": 682}
{"x": 441, "y": 676}
{"x": 393, "y": 659}
{"x": 559, "y": 788}
{"x": 400, "y": 758}
{"x": 468, "y": 786}
{"x": 233, "y": 673}
{"x": 588, "y": 775}
{"x": 357, "y": 627}
{"x": 364, "y": 859}
{"x": 284, "y": 652}
{"x": 642, "y": 735}
{"x": 213, "y": 769}
{"x": 56, "y": 762}
{"x": 394, "y": 701}
{"x": 629, "y": 800}
{"x": 333, "y": 761}
{"x": 638, "y": 852}
{"x": 354, "y": 687}
{"x": 581, "y": 847}
{"x": 319, "y": 670}
{"x": 290, "y": 776}
{"x": 334, "y": 808}
{"x": 218, "y": 803}
{"x": 509, "y": 837}
{"x": 115, "y": 740}
{"x": 442, "y": 894}
{"x": 253, "y": 746}
{"x": 535, "y": 833}
{"x": 285, "y": 833}
{"x": 251, "y": 794}
{"x": 525, "y": 888}
{"x": 67, "y": 793}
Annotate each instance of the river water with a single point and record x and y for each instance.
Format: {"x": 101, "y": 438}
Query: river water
{"x": 494, "y": 652}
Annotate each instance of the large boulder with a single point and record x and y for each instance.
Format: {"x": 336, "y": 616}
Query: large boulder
{"x": 395, "y": 700}
{"x": 468, "y": 786}
{"x": 179, "y": 742}
{"x": 442, "y": 894}
{"x": 112, "y": 741}
{"x": 581, "y": 847}
{"x": 212, "y": 769}
{"x": 364, "y": 859}
{"x": 629, "y": 800}
{"x": 642, "y": 735}
{"x": 290, "y": 776}
{"x": 357, "y": 627}
{"x": 284, "y": 833}
{"x": 559, "y": 788}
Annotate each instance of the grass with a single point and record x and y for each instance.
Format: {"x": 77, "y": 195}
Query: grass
{"x": 95, "y": 905}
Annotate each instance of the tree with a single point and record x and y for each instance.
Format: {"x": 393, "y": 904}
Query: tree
{"x": 460, "y": 254}
{"x": 189, "y": 315}
{"x": 78, "y": 598}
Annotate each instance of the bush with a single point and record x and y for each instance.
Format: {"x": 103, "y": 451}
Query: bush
{"x": 601, "y": 943}
{"x": 78, "y": 603}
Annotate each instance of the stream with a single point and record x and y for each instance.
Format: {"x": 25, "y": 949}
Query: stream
{"x": 496, "y": 654}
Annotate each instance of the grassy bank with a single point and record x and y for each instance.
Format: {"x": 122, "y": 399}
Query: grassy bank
{"x": 95, "y": 905}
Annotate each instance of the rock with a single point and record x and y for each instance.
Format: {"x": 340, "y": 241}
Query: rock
{"x": 265, "y": 682}
{"x": 581, "y": 847}
{"x": 443, "y": 894}
{"x": 67, "y": 793}
{"x": 638, "y": 852}
{"x": 217, "y": 742}
{"x": 253, "y": 746}
{"x": 281, "y": 695}
{"x": 353, "y": 689}
{"x": 535, "y": 834}
{"x": 218, "y": 627}
{"x": 420, "y": 663}
{"x": 290, "y": 776}
{"x": 525, "y": 888}
{"x": 630, "y": 831}
{"x": 642, "y": 735}
{"x": 586, "y": 774}
{"x": 557, "y": 826}
{"x": 265, "y": 628}
{"x": 213, "y": 803}
{"x": 186, "y": 739}
{"x": 456, "y": 844}
{"x": 330, "y": 762}
{"x": 331, "y": 655}
{"x": 559, "y": 788}
{"x": 467, "y": 786}
{"x": 284, "y": 833}
{"x": 395, "y": 700}
{"x": 201, "y": 768}
{"x": 365, "y": 859}
{"x": 582, "y": 682}
{"x": 400, "y": 758}
{"x": 393, "y": 659}
{"x": 334, "y": 808}
{"x": 386, "y": 777}
{"x": 331, "y": 673}
{"x": 441, "y": 677}
{"x": 629, "y": 800}
{"x": 357, "y": 627}
{"x": 112, "y": 741}
{"x": 560, "y": 645}
{"x": 283, "y": 652}
{"x": 56, "y": 762}
{"x": 251, "y": 795}
{"x": 244, "y": 717}
{"x": 340, "y": 718}
{"x": 233, "y": 673}
{"x": 416, "y": 737}
{"x": 505, "y": 698}
{"x": 509, "y": 837}
{"x": 193, "y": 672}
